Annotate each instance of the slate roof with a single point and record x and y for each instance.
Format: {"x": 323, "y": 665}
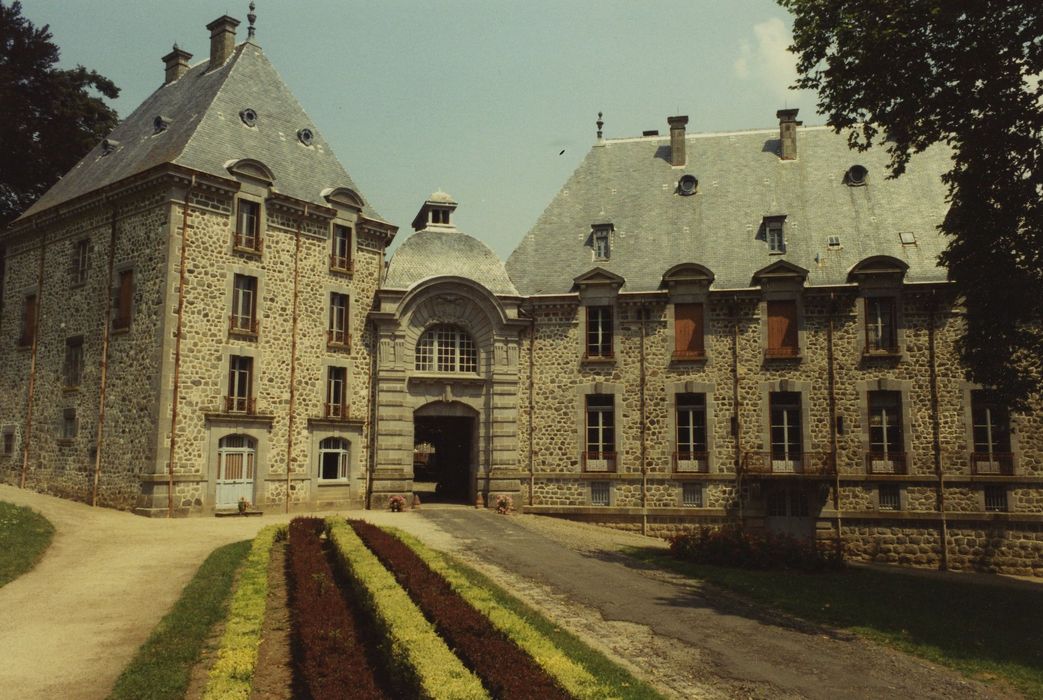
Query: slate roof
{"x": 631, "y": 184}
{"x": 436, "y": 252}
{"x": 205, "y": 132}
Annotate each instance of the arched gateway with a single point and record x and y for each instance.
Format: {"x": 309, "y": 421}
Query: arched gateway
{"x": 447, "y": 372}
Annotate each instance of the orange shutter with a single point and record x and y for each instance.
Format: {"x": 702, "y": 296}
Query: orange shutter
{"x": 688, "y": 329}
{"x": 782, "y": 326}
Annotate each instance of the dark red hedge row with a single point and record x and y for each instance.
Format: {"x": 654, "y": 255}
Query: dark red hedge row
{"x": 332, "y": 644}
{"x": 505, "y": 670}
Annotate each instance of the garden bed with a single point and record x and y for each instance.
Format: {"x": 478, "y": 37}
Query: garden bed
{"x": 505, "y": 670}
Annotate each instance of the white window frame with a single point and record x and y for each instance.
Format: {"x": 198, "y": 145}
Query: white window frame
{"x": 687, "y": 457}
{"x": 343, "y": 452}
{"x": 791, "y": 460}
{"x": 446, "y": 348}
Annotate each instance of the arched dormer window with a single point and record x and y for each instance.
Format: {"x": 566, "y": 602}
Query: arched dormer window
{"x": 446, "y": 348}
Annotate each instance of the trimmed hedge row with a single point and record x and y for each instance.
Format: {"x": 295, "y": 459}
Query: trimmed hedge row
{"x": 506, "y": 670}
{"x": 733, "y": 545}
{"x": 418, "y": 657}
{"x": 330, "y": 644}
{"x": 233, "y": 671}
{"x": 576, "y": 679}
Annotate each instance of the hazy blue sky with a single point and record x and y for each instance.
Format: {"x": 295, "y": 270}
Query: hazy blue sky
{"x": 475, "y": 98}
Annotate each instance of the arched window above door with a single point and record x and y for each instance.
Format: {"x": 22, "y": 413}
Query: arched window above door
{"x": 446, "y": 348}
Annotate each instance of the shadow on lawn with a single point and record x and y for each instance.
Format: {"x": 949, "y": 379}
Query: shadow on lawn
{"x": 944, "y": 620}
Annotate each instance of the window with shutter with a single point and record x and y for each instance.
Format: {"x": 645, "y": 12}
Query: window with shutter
{"x": 28, "y": 321}
{"x": 124, "y": 300}
{"x": 783, "y": 340}
{"x": 688, "y": 331}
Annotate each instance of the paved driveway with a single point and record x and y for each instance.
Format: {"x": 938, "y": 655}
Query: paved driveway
{"x": 696, "y": 643}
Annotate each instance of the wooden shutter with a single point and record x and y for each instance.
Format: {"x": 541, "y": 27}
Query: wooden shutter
{"x": 124, "y": 299}
{"x": 29, "y": 327}
{"x": 688, "y": 330}
{"x": 782, "y": 328}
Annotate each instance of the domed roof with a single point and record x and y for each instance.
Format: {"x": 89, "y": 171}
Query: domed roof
{"x": 436, "y": 253}
{"x": 440, "y": 196}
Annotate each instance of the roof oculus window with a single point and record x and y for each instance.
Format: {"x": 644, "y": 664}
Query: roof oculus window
{"x": 305, "y": 136}
{"x": 856, "y": 176}
{"x": 687, "y": 185}
{"x": 249, "y": 116}
{"x": 160, "y": 123}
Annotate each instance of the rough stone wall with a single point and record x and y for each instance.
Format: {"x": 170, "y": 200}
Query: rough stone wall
{"x": 67, "y": 309}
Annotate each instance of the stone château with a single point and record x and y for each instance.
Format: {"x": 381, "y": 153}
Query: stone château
{"x": 700, "y": 328}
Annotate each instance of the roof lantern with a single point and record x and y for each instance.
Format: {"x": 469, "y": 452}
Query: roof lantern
{"x": 435, "y": 212}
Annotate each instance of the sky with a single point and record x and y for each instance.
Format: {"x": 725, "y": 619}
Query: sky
{"x": 476, "y": 98}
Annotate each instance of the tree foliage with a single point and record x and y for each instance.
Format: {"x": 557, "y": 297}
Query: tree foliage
{"x": 907, "y": 74}
{"x": 51, "y": 116}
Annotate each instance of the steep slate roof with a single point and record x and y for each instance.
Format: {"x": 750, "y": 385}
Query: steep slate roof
{"x": 434, "y": 253}
{"x": 631, "y": 184}
{"x": 205, "y": 132}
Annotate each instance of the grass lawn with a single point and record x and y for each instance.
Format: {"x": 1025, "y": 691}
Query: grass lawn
{"x": 162, "y": 665}
{"x": 24, "y": 536}
{"x": 601, "y": 667}
{"x": 987, "y": 632}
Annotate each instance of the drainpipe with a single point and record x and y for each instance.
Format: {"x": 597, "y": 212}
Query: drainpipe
{"x": 32, "y": 362}
{"x": 642, "y": 313}
{"x": 832, "y": 383}
{"x": 373, "y": 389}
{"x": 736, "y": 422}
{"x": 99, "y": 444}
{"x": 176, "y": 394}
{"x": 532, "y": 403}
{"x": 935, "y": 434}
{"x": 293, "y": 353}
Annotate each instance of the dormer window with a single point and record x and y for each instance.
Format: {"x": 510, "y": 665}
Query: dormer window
{"x": 774, "y": 234}
{"x": 600, "y": 241}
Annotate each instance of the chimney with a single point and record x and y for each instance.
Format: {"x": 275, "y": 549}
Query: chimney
{"x": 177, "y": 64}
{"x": 788, "y": 133}
{"x": 677, "y": 154}
{"x": 222, "y": 40}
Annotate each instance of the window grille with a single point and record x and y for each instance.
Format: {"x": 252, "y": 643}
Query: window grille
{"x": 889, "y": 497}
{"x": 692, "y": 494}
{"x": 446, "y": 349}
{"x": 599, "y": 491}
{"x": 995, "y": 498}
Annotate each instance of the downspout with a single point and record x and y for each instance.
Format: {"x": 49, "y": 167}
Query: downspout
{"x": 293, "y": 353}
{"x": 99, "y": 444}
{"x": 832, "y": 383}
{"x": 532, "y": 404}
{"x": 32, "y": 363}
{"x": 935, "y": 436}
{"x": 641, "y": 315}
{"x": 373, "y": 389}
{"x": 736, "y": 422}
{"x": 176, "y": 394}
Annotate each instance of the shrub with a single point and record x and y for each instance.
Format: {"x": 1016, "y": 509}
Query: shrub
{"x": 233, "y": 671}
{"x": 504, "y": 504}
{"x": 397, "y": 503}
{"x": 330, "y": 645}
{"x": 420, "y": 660}
{"x": 735, "y": 546}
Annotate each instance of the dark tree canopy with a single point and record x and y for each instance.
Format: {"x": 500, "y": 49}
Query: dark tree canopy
{"x": 911, "y": 73}
{"x": 51, "y": 117}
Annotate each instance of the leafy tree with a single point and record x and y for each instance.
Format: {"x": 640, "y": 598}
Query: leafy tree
{"x": 967, "y": 73}
{"x": 51, "y": 117}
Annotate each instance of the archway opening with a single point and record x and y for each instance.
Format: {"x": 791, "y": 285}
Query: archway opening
{"x": 442, "y": 458}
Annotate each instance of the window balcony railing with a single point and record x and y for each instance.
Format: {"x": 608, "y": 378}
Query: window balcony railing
{"x": 782, "y": 353}
{"x": 809, "y": 463}
{"x": 999, "y": 463}
{"x": 341, "y": 263}
{"x": 337, "y": 411}
{"x": 887, "y": 463}
{"x": 692, "y": 462}
{"x": 240, "y": 404}
{"x": 242, "y": 325}
{"x": 599, "y": 461}
{"x": 249, "y": 242}
{"x": 339, "y": 338}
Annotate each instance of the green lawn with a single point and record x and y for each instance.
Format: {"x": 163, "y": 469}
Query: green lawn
{"x": 24, "y": 536}
{"x": 988, "y": 632}
{"x": 162, "y": 666}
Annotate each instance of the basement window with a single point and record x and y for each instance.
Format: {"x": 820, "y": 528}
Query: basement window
{"x": 692, "y": 494}
{"x": 599, "y": 493}
{"x": 995, "y": 498}
{"x": 889, "y": 497}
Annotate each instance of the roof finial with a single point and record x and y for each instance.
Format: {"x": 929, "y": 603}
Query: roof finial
{"x": 253, "y": 18}
{"x": 600, "y": 124}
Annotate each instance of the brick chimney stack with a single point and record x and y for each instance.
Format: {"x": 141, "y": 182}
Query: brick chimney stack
{"x": 176, "y": 63}
{"x": 788, "y": 133}
{"x": 677, "y": 152}
{"x": 222, "y": 40}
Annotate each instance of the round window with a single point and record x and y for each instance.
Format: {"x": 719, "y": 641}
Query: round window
{"x": 305, "y": 136}
{"x": 856, "y": 175}
{"x": 687, "y": 185}
{"x": 249, "y": 117}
